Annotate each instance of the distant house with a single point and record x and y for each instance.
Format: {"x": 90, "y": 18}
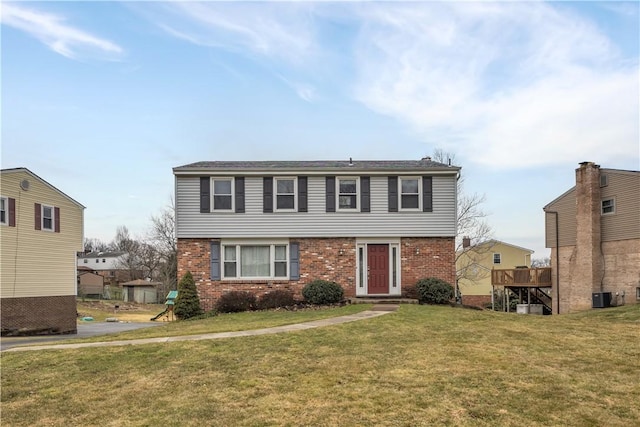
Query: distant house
{"x": 90, "y": 284}
{"x": 593, "y": 230}
{"x": 41, "y": 230}
{"x": 110, "y": 265}
{"x": 141, "y": 291}
{"x": 475, "y": 262}
{"x": 374, "y": 227}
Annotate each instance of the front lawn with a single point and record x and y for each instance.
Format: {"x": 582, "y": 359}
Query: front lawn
{"x": 422, "y": 365}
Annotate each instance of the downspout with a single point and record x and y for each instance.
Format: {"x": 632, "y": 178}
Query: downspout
{"x": 557, "y": 259}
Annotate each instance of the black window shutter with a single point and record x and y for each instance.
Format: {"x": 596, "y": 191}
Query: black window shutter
{"x": 267, "y": 194}
{"x": 365, "y": 194}
{"x": 427, "y": 194}
{"x": 12, "y": 212}
{"x": 239, "y": 184}
{"x": 38, "y": 216}
{"x": 302, "y": 194}
{"x": 331, "y": 194}
{"x": 205, "y": 194}
{"x": 393, "y": 194}
{"x": 215, "y": 260}
{"x": 56, "y": 220}
{"x": 294, "y": 261}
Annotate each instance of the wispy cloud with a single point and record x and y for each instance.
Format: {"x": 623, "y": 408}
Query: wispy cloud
{"x": 304, "y": 90}
{"x": 502, "y": 84}
{"x": 272, "y": 30}
{"x": 53, "y": 31}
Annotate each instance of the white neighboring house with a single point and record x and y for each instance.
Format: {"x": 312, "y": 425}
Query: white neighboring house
{"x": 107, "y": 264}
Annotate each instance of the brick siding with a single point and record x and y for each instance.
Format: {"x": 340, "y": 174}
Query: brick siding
{"x": 332, "y": 259}
{"x": 39, "y": 315}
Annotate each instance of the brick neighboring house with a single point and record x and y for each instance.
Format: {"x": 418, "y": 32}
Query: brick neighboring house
{"x": 41, "y": 229}
{"x": 373, "y": 227}
{"x": 597, "y": 246}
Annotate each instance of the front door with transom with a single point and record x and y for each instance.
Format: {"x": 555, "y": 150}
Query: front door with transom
{"x": 378, "y": 269}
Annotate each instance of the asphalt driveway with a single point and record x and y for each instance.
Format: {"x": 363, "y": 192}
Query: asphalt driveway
{"x": 84, "y": 330}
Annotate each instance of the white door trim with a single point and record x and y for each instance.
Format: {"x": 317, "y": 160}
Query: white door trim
{"x": 361, "y": 265}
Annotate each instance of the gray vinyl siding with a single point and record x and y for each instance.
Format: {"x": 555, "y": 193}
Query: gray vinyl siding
{"x": 566, "y": 208}
{"x": 624, "y": 224}
{"x": 190, "y": 223}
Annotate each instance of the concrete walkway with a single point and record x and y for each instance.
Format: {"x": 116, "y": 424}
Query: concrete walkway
{"x": 376, "y": 311}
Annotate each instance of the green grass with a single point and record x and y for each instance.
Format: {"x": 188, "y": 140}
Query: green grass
{"x": 229, "y": 323}
{"x": 422, "y": 365}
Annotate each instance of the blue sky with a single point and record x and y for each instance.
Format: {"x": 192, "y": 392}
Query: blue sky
{"x": 102, "y": 99}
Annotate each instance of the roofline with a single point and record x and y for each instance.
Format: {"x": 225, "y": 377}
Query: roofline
{"x": 311, "y": 172}
{"x": 494, "y": 241}
{"x": 23, "y": 169}
{"x": 607, "y": 170}
{"x": 310, "y": 168}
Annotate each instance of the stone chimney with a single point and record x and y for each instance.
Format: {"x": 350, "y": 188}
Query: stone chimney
{"x": 588, "y": 262}
{"x": 466, "y": 242}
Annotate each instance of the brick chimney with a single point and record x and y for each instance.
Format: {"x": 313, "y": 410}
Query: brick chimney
{"x": 589, "y": 262}
{"x": 466, "y": 242}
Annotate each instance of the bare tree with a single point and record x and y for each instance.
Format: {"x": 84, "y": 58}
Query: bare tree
{"x": 541, "y": 262}
{"x": 91, "y": 244}
{"x": 471, "y": 225}
{"x": 163, "y": 237}
{"x": 129, "y": 261}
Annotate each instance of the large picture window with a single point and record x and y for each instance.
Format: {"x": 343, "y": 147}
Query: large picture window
{"x": 261, "y": 261}
{"x": 347, "y": 194}
{"x": 285, "y": 194}
{"x": 222, "y": 194}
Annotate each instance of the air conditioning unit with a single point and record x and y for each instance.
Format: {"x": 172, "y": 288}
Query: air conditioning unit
{"x": 601, "y": 299}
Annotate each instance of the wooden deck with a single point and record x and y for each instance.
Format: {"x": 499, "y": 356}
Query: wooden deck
{"x": 522, "y": 277}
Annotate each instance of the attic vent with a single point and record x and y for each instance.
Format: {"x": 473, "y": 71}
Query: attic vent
{"x": 24, "y": 184}
{"x": 604, "y": 180}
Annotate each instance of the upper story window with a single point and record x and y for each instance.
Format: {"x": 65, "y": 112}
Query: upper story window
{"x": 222, "y": 194}
{"x": 86, "y": 261}
{"x": 410, "y": 193}
{"x": 608, "y": 206}
{"x": 497, "y": 259}
{"x": 4, "y": 211}
{"x": 47, "y": 217}
{"x": 347, "y": 194}
{"x": 285, "y": 194}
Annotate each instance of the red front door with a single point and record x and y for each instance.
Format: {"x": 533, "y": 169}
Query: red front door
{"x": 378, "y": 263}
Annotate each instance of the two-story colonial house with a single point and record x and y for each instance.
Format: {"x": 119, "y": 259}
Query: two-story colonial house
{"x": 593, "y": 230}
{"x": 371, "y": 226}
{"x": 41, "y": 230}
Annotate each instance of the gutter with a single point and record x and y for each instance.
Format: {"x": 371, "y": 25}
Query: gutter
{"x": 557, "y": 259}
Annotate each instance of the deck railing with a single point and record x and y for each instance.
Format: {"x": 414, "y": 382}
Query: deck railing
{"x": 533, "y": 277}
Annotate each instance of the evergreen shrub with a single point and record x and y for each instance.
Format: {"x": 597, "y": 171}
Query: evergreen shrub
{"x": 187, "y": 303}
{"x": 434, "y": 291}
{"x": 322, "y": 292}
